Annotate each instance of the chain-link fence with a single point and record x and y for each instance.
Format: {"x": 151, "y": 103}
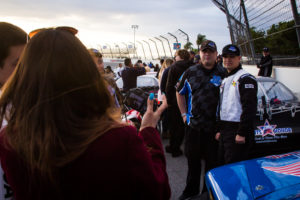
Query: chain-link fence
{"x": 255, "y": 24}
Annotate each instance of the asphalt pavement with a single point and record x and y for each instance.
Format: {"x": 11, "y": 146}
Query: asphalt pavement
{"x": 177, "y": 172}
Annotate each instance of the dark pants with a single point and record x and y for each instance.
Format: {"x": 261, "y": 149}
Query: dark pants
{"x": 176, "y": 127}
{"x": 199, "y": 145}
{"x": 229, "y": 150}
{"x": 165, "y": 120}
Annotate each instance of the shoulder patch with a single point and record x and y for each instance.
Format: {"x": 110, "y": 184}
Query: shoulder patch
{"x": 249, "y": 86}
{"x": 248, "y": 75}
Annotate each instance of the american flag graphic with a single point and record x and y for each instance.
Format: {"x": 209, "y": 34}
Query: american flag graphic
{"x": 297, "y": 153}
{"x": 291, "y": 169}
{"x": 288, "y": 169}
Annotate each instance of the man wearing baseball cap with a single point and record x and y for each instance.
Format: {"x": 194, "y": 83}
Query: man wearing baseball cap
{"x": 266, "y": 64}
{"x": 200, "y": 83}
{"x": 238, "y": 104}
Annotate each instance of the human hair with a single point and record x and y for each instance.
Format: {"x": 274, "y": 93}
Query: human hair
{"x": 108, "y": 69}
{"x": 10, "y": 35}
{"x": 127, "y": 62}
{"x": 56, "y": 104}
{"x": 183, "y": 54}
{"x": 161, "y": 61}
{"x": 165, "y": 65}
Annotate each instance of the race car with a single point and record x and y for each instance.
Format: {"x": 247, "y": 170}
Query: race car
{"x": 277, "y": 124}
{"x": 271, "y": 177}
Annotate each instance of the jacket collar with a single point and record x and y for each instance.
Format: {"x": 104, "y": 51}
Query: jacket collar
{"x": 234, "y": 71}
{"x": 207, "y": 71}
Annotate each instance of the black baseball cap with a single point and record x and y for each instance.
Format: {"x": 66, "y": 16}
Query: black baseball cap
{"x": 192, "y": 52}
{"x": 265, "y": 49}
{"x": 231, "y": 49}
{"x": 208, "y": 44}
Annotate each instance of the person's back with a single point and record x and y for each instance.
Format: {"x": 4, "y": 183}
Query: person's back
{"x": 176, "y": 70}
{"x": 110, "y": 168}
{"x": 177, "y": 129}
{"x": 130, "y": 74}
{"x": 64, "y": 140}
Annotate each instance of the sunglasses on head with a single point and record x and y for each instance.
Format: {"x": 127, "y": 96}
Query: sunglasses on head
{"x": 62, "y": 28}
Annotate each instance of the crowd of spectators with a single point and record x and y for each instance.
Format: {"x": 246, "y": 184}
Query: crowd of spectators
{"x": 61, "y": 131}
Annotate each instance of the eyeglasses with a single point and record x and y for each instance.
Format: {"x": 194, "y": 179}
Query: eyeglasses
{"x": 63, "y": 28}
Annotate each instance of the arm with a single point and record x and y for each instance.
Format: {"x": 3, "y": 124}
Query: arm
{"x": 140, "y": 71}
{"x": 181, "y": 104}
{"x": 248, "y": 96}
{"x": 147, "y": 166}
{"x": 182, "y": 90}
{"x": 269, "y": 62}
{"x": 148, "y": 163}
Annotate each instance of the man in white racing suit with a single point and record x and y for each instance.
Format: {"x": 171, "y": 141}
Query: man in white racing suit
{"x": 237, "y": 109}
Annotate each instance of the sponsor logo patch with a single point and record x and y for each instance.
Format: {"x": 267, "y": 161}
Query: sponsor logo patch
{"x": 216, "y": 80}
{"x": 232, "y": 48}
{"x": 249, "y": 86}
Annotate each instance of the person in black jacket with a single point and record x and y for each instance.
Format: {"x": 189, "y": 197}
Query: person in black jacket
{"x": 200, "y": 84}
{"x": 238, "y": 105}
{"x": 177, "y": 126}
{"x": 266, "y": 64}
{"x": 130, "y": 74}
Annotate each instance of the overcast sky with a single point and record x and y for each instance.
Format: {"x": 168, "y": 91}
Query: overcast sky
{"x": 100, "y": 22}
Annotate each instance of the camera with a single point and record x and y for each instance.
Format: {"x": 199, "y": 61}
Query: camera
{"x": 136, "y": 99}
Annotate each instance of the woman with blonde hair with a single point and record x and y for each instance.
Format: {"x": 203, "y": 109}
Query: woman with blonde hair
{"x": 164, "y": 66}
{"x": 63, "y": 140}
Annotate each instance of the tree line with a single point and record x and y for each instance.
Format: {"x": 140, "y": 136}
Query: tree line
{"x": 280, "y": 38}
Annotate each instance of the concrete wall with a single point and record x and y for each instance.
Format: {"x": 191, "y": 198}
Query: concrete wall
{"x": 289, "y": 76}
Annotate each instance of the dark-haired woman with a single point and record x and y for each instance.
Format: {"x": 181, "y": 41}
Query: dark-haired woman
{"x": 63, "y": 140}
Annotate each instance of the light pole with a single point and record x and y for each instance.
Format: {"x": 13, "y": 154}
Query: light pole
{"x": 134, "y": 50}
{"x": 187, "y": 36}
{"x": 126, "y": 48}
{"x": 156, "y": 47}
{"x": 174, "y": 37}
{"x": 162, "y": 45}
{"x": 134, "y": 27}
{"x": 149, "y": 48}
{"x": 142, "y": 48}
{"x": 116, "y": 45}
{"x": 100, "y": 47}
{"x": 168, "y": 43}
{"x": 112, "y": 55}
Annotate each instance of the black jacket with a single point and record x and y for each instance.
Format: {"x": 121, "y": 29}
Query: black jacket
{"x": 129, "y": 76}
{"x": 163, "y": 82}
{"x": 176, "y": 70}
{"x": 265, "y": 66}
{"x": 201, "y": 87}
